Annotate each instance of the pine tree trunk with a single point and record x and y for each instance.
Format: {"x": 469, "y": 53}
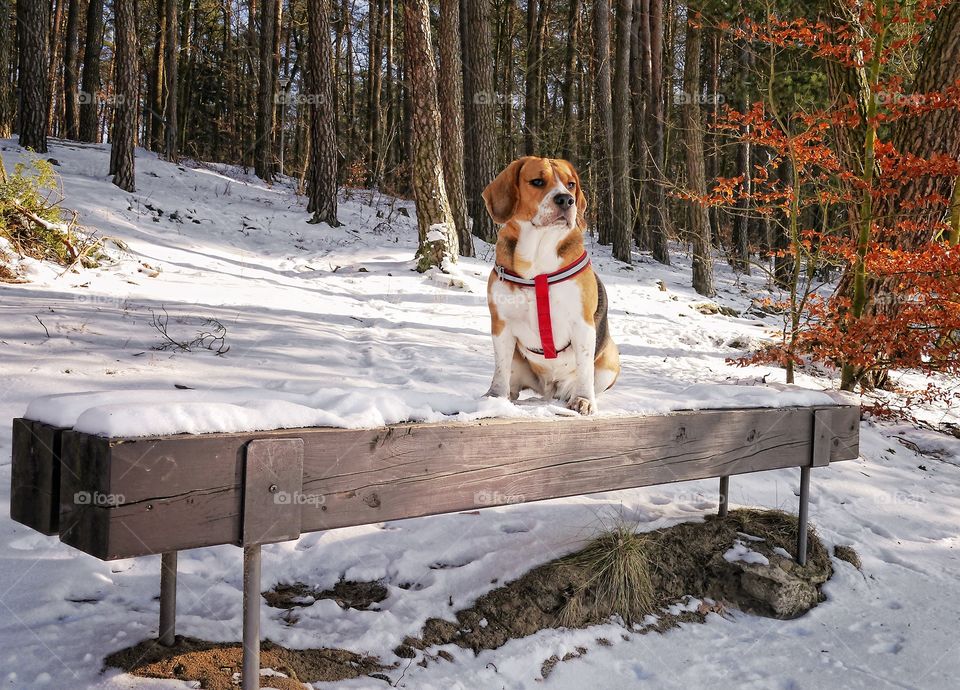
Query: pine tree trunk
{"x": 33, "y": 22}
{"x": 531, "y": 99}
{"x": 350, "y": 111}
{"x": 90, "y": 86}
{"x": 622, "y": 194}
{"x": 251, "y": 92}
{"x": 783, "y": 263}
{"x": 656, "y": 194}
{"x": 712, "y": 81}
{"x": 153, "y": 112}
{"x": 603, "y": 125}
{"x": 506, "y": 84}
{"x": 6, "y": 96}
{"x": 741, "y": 221}
{"x": 71, "y": 120}
{"x": 569, "y": 80}
{"x": 438, "y": 236}
{"x": 263, "y": 154}
{"x": 483, "y": 108}
{"x": 374, "y": 60}
{"x": 53, "y": 69}
{"x": 125, "y": 96}
{"x": 171, "y": 84}
{"x": 390, "y": 155}
{"x": 323, "y": 136}
{"x": 698, "y": 217}
{"x": 450, "y": 90}
{"x": 639, "y": 82}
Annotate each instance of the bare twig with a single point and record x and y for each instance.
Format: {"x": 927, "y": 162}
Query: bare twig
{"x": 42, "y": 324}
{"x": 214, "y": 339}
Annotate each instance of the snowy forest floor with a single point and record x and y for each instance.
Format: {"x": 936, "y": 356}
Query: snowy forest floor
{"x": 306, "y": 307}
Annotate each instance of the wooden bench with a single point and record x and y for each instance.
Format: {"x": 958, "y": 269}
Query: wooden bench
{"x": 119, "y": 497}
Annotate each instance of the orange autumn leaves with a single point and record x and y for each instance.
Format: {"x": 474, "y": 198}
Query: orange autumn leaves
{"x": 914, "y": 321}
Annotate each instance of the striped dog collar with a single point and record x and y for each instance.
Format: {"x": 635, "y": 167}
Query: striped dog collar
{"x": 541, "y": 283}
{"x": 565, "y": 273}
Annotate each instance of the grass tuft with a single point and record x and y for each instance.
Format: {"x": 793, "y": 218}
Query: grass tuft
{"x": 619, "y": 563}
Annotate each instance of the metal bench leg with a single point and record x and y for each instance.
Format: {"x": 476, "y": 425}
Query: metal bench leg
{"x": 168, "y": 598}
{"x": 251, "y": 618}
{"x": 802, "y": 517}
{"x": 724, "y": 491}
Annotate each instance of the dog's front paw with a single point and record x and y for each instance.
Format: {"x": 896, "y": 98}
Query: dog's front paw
{"x": 582, "y": 405}
{"x": 496, "y": 393}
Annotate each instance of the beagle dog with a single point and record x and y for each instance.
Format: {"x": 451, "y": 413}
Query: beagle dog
{"x": 548, "y": 309}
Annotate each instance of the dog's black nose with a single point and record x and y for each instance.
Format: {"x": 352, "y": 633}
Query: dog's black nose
{"x": 564, "y": 200}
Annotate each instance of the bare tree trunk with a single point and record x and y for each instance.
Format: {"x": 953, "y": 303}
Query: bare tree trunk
{"x": 170, "y": 59}
{"x": 622, "y": 194}
{"x": 374, "y": 59}
{"x": 438, "y": 236}
{"x": 483, "y": 108}
{"x": 263, "y": 155}
{"x": 603, "y": 127}
{"x": 508, "y": 149}
{"x": 741, "y": 221}
{"x": 71, "y": 120}
{"x": 90, "y": 87}
{"x": 450, "y": 89}
{"x": 569, "y": 79}
{"x": 33, "y": 22}
{"x": 323, "y": 135}
{"x": 351, "y": 109}
{"x": 55, "y": 54}
{"x": 531, "y": 99}
{"x": 656, "y": 194}
{"x": 698, "y": 218}
{"x": 6, "y": 96}
{"x": 391, "y": 150}
{"x": 231, "y": 70}
{"x": 154, "y": 108}
{"x": 783, "y": 263}
{"x": 125, "y": 96}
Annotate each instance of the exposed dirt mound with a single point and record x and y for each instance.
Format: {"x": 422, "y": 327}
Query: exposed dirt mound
{"x": 216, "y": 665}
{"x": 686, "y": 559}
{"x": 347, "y": 594}
{"x": 744, "y": 560}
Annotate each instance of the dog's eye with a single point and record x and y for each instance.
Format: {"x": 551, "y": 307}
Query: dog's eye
{"x": 537, "y": 182}
{"x": 571, "y": 185}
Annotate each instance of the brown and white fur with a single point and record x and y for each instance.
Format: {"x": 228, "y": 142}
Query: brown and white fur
{"x": 540, "y": 204}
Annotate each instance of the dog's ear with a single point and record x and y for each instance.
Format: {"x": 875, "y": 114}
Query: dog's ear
{"x": 581, "y": 198}
{"x": 502, "y": 194}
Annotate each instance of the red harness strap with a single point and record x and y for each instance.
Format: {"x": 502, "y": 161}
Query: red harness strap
{"x": 541, "y": 285}
{"x": 542, "y": 288}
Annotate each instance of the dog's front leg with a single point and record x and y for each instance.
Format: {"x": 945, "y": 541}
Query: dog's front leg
{"x": 503, "y": 346}
{"x": 584, "y": 344}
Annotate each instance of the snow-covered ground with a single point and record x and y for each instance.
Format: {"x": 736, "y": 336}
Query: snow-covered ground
{"x": 310, "y": 310}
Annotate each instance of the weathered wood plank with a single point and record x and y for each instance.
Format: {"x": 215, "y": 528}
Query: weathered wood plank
{"x": 35, "y": 475}
{"x": 272, "y": 485}
{"x": 186, "y": 491}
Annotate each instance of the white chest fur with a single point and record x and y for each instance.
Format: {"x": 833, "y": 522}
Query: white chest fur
{"x": 536, "y": 250}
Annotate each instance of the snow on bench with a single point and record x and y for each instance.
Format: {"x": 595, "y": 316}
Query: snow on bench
{"x": 130, "y": 473}
{"x": 153, "y": 471}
